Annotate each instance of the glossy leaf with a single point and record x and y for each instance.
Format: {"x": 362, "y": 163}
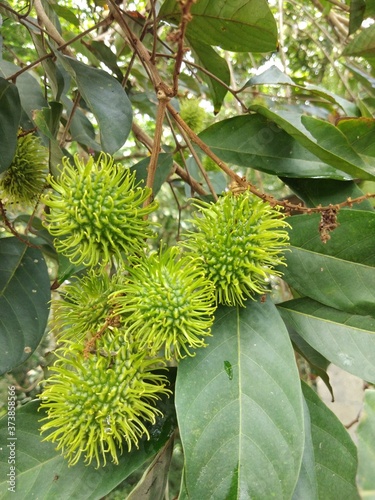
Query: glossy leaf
{"x": 324, "y": 192}
{"x": 24, "y": 301}
{"x": 10, "y": 114}
{"x": 241, "y": 421}
{"x": 339, "y": 273}
{"x": 254, "y": 141}
{"x": 239, "y": 25}
{"x": 347, "y": 340}
{"x": 334, "y": 451}
{"x": 43, "y": 473}
{"x": 321, "y": 138}
{"x": 360, "y": 134}
{"x": 210, "y": 60}
{"x": 107, "y": 100}
{"x": 366, "y": 446}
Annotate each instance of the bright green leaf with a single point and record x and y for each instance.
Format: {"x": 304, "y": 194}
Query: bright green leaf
{"x": 366, "y": 446}
{"x": 42, "y": 472}
{"x": 347, "y": 340}
{"x": 253, "y": 141}
{"x": 241, "y": 420}
{"x": 65, "y": 13}
{"x": 362, "y": 44}
{"x": 107, "y": 100}
{"x": 339, "y": 273}
{"x": 239, "y": 25}
{"x": 334, "y": 450}
{"x": 10, "y": 114}
{"x": 360, "y": 134}
{"x": 321, "y": 138}
{"x": 24, "y": 301}
{"x": 210, "y": 60}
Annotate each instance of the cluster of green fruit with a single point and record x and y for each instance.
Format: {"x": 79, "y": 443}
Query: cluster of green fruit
{"x": 135, "y": 310}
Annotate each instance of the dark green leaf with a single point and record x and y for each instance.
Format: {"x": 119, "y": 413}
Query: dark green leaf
{"x": 339, "y": 273}
{"x": 239, "y": 25}
{"x": 366, "y": 446}
{"x": 324, "y": 192}
{"x": 106, "y": 99}
{"x": 81, "y": 129}
{"x": 163, "y": 169}
{"x": 335, "y": 452}
{"x": 241, "y": 421}
{"x": 105, "y": 54}
{"x": 360, "y": 134}
{"x": 41, "y": 471}
{"x": 347, "y": 340}
{"x": 307, "y": 487}
{"x": 10, "y": 114}
{"x": 321, "y": 138}
{"x": 24, "y": 301}
{"x": 253, "y": 141}
{"x": 210, "y": 60}
{"x": 357, "y": 10}
{"x": 65, "y": 13}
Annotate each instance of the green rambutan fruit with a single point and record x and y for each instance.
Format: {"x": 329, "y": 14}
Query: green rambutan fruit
{"x": 192, "y": 113}
{"x": 99, "y": 404}
{"x": 239, "y": 241}
{"x": 96, "y": 211}
{"x": 25, "y": 178}
{"x": 169, "y": 303}
{"x": 84, "y": 309}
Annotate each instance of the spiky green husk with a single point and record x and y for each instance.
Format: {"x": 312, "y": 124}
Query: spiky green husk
{"x": 84, "y": 309}
{"x": 99, "y": 404}
{"x": 169, "y": 303}
{"x": 25, "y": 178}
{"x": 96, "y": 211}
{"x": 240, "y": 240}
{"x": 192, "y": 113}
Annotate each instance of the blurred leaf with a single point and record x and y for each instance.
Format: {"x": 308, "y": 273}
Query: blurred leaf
{"x": 339, "y": 273}
{"x": 24, "y": 301}
{"x": 321, "y": 138}
{"x": 153, "y": 482}
{"x": 254, "y": 141}
{"x": 324, "y": 192}
{"x": 163, "y": 169}
{"x": 43, "y": 473}
{"x": 335, "y": 453}
{"x": 210, "y": 60}
{"x": 106, "y": 99}
{"x": 10, "y": 114}
{"x": 241, "y": 421}
{"x": 238, "y": 26}
{"x": 357, "y": 10}
{"x": 65, "y": 13}
{"x": 347, "y": 340}
{"x": 363, "y": 44}
{"x": 366, "y": 446}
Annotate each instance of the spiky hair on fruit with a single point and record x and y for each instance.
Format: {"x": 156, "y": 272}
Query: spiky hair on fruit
{"x": 192, "y": 113}
{"x": 83, "y": 310}
{"x": 25, "y": 178}
{"x": 96, "y": 211}
{"x": 239, "y": 240}
{"x": 97, "y": 405}
{"x": 169, "y": 303}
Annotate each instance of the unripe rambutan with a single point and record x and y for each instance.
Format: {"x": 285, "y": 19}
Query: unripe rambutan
{"x": 96, "y": 211}
{"x": 99, "y": 404}
{"x": 169, "y": 303}
{"x": 239, "y": 241}
{"x": 192, "y": 113}
{"x": 84, "y": 310}
{"x": 25, "y": 178}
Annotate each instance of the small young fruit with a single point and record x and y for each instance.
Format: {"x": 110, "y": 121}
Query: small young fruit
{"x": 99, "y": 404}
{"x": 84, "y": 310}
{"x": 169, "y": 303}
{"x": 192, "y": 113}
{"x": 239, "y": 241}
{"x": 96, "y": 211}
{"x": 25, "y": 178}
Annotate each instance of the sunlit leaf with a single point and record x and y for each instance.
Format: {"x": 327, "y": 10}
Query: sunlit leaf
{"x": 241, "y": 421}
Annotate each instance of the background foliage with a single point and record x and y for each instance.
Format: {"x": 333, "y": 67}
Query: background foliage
{"x": 285, "y": 94}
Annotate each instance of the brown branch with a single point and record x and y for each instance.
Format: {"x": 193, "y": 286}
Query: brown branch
{"x": 11, "y": 228}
